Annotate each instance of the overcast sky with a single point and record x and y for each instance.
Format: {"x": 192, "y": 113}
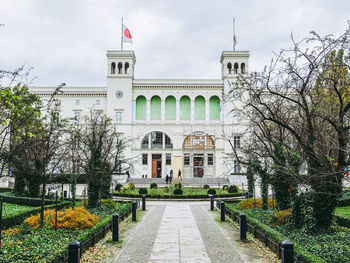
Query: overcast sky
{"x": 66, "y": 40}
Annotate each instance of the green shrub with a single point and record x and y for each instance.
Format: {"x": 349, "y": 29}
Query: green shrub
{"x": 211, "y": 191}
{"x": 232, "y": 189}
{"x": 143, "y": 191}
{"x": 131, "y": 186}
{"x": 153, "y": 186}
{"x": 206, "y": 186}
{"x": 178, "y": 191}
{"x": 19, "y": 200}
{"x": 178, "y": 186}
{"x": 342, "y": 221}
{"x": 225, "y": 187}
{"x": 282, "y": 217}
{"x": 118, "y": 187}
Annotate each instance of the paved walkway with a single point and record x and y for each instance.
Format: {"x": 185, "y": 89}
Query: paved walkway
{"x": 184, "y": 232}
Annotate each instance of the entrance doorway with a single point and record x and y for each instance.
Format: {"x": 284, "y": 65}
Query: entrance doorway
{"x": 156, "y": 165}
{"x": 198, "y": 165}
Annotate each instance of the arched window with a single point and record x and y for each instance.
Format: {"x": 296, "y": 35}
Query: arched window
{"x": 229, "y": 68}
{"x": 156, "y": 140}
{"x": 199, "y": 108}
{"x": 155, "y": 108}
{"x": 236, "y": 68}
{"x": 242, "y": 68}
{"x": 198, "y": 141}
{"x": 120, "y": 68}
{"x": 141, "y": 108}
{"x": 185, "y": 108}
{"x": 113, "y": 68}
{"x": 126, "y": 66}
{"x": 170, "y": 108}
{"x": 214, "y": 108}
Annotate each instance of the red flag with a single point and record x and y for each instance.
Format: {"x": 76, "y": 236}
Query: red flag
{"x": 127, "y": 37}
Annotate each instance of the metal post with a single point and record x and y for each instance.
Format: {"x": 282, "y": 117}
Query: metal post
{"x": 134, "y": 205}
{"x": 243, "y": 227}
{"x": 111, "y": 196}
{"x": 143, "y": 203}
{"x": 287, "y": 252}
{"x": 74, "y": 252}
{"x": 211, "y": 202}
{"x": 222, "y": 210}
{"x": 56, "y": 211}
{"x": 0, "y": 218}
{"x": 115, "y": 226}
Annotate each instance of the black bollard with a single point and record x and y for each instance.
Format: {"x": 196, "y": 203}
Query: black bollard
{"x": 211, "y": 202}
{"x": 115, "y": 227}
{"x": 143, "y": 203}
{"x": 65, "y": 193}
{"x": 111, "y": 196}
{"x": 243, "y": 227}
{"x": 287, "y": 252}
{"x": 222, "y": 210}
{"x": 74, "y": 252}
{"x": 134, "y": 205}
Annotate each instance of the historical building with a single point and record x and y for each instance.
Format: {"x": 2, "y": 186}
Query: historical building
{"x": 177, "y": 123}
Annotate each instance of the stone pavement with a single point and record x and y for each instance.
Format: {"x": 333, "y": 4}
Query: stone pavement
{"x": 184, "y": 232}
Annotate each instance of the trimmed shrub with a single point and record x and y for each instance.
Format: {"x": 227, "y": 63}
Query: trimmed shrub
{"x": 342, "y": 221}
{"x": 206, "y": 186}
{"x": 76, "y": 218}
{"x": 178, "y": 191}
{"x": 232, "y": 189}
{"x": 211, "y": 191}
{"x": 118, "y": 187}
{"x": 20, "y": 200}
{"x": 143, "y": 191}
{"x": 153, "y": 186}
{"x": 225, "y": 187}
{"x": 178, "y": 186}
{"x": 251, "y": 203}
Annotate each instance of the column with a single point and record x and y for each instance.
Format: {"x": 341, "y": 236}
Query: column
{"x": 133, "y": 115}
{"x": 207, "y": 110}
{"x": 177, "y": 111}
{"x": 148, "y": 110}
{"x": 192, "y": 111}
{"x": 222, "y": 113}
{"x": 162, "y": 115}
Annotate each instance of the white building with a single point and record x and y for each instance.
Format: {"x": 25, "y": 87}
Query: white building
{"x": 177, "y": 123}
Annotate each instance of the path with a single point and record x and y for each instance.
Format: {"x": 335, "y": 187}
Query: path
{"x": 184, "y": 232}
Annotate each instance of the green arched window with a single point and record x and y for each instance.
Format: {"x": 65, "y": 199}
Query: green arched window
{"x": 185, "y": 108}
{"x": 199, "y": 108}
{"x": 170, "y": 108}
{"x": 156, "y": 108}
{"x": 141, "y": 108}
{"x": 214, "y": 108}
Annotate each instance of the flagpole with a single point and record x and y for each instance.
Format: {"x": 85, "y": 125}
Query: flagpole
{"x": 234, "y": 36}
{"x": 121, "y": 45}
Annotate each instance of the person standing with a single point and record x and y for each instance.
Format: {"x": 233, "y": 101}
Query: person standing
{"x": 167, "y": 179}
{"x": 179, "y": 175}
{"x": 171, "y": 176}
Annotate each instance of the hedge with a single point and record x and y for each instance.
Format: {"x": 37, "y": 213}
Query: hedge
{"x": 342, "y": 221}
{"x": 20, "y": 200}
{"x": 343, "y": 202}
{"x": 5, "y": 189}
{"x": 158, "y": 196}
{"x": 8, "y": 222}
{"x": 306, "y": 256}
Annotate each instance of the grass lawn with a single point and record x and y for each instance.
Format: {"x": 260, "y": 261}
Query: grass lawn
{"x": 13, "y": 209}
{"x": 343, "y": 211}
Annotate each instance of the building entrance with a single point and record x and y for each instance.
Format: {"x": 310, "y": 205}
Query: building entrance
{"x": 198, "y": 165}
{"x": 156, "y": 165}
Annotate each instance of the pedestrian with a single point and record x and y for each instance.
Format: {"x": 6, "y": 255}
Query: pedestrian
{"x": 171, "y": 176}
{"x": 167, "y": 179}
{"x": 179, "y": 175}
{"x": 127, "y": 173}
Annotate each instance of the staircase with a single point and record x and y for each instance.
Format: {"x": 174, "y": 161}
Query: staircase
{"x": 188, "y": 182}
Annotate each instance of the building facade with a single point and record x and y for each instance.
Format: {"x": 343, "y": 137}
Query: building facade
{"x": 176, "y": 124}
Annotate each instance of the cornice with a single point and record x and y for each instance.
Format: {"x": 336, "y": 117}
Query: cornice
{"x": 178, "y": 84}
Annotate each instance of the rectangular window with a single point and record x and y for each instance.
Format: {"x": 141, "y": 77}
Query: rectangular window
{"x": 237, "y": 142}
{"x": 157, "y": 140}
{"x": 237, "y": 167}
{"x": 144, "y": 159}
{"x": 98, "y": 117}
{"x": 118, "y": 117}
{"x": 76, "y": 116}
{"x": 77, "y": 102}
{"x": 210, "y": 159}
{"x": 98, "y": 102}
{"x": 168, "y": 159}
{"x": 186, "y": 159}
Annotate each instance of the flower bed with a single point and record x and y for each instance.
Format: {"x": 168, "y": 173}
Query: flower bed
{"x": 326, "y": 247}
{"x": 46, "y": 244}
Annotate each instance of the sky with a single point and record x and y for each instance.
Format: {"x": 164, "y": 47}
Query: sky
{"x": 66, "y": 41}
